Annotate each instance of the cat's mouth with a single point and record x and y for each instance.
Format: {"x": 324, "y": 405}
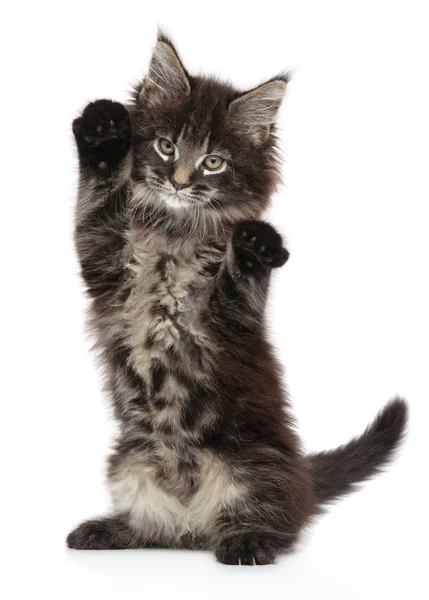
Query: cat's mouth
{"x": 177, "y": 199}
{"x": 182, "y": 199}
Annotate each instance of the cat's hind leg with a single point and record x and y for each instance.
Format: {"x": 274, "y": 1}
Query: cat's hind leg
{"x": 276, "y": 502}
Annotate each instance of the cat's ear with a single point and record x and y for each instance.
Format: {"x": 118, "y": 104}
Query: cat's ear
{"x": 255, "y": 112}
{"x": 167, "y": 79}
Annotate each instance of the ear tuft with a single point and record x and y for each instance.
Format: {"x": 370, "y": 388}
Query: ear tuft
{"x": 167, "y": 79}
{"x": 256, "y": 111}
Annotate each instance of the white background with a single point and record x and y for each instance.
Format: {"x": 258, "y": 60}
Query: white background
{"x": 349, "y": 312}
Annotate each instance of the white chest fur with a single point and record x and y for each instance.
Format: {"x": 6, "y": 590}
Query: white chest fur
{"x": 156, "y": 513}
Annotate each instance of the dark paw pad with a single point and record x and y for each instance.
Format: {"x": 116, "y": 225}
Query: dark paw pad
{"x": 258, "y": 247}
{"x": 103, "y": 133}
{"x": 102, "y": 121}
{"x": 245, "y": 550}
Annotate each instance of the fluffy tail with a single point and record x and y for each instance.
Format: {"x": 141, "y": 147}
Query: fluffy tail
{"x": 336, "y": 472}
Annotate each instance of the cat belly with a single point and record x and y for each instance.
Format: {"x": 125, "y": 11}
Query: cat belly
{"x": 159, "y": 515}
{"x": 172, "y": 352}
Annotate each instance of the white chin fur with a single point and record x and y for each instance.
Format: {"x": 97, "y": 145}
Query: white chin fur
{"x": 175, "y": 201}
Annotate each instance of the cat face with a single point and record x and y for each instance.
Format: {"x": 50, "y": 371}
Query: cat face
{"x": 202, "y": 147}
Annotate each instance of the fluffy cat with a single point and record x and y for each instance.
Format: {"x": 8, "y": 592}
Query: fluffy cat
{"x": 177, "y": 265}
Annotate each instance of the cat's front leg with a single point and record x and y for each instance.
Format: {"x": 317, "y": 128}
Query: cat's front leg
{"x": 242, "y": 284}
{"x": 103, "y": 138}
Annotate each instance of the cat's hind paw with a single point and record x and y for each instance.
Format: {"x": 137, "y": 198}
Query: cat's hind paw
{"x": 245, "y": 550}
{"x": 99, "y": 534}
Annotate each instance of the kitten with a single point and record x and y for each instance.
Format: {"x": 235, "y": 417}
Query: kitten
{"x": 177, "y": 265}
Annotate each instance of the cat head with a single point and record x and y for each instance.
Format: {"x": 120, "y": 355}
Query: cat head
{"x": 202, "y": 149}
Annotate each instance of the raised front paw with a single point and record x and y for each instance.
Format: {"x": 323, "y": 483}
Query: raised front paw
{"x": 103, "y": 133}
{"x": 258, "y": 247}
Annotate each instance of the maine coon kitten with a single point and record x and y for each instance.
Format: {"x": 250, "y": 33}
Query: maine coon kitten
{"x": 177, "y": 265}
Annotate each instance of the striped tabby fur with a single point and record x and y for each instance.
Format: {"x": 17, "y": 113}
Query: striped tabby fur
{"x": 177, "y": 265}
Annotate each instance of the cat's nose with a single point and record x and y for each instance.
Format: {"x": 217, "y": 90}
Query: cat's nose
{"x": 179, "y": 185}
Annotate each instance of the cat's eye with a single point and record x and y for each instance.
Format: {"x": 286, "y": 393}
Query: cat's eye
{"x": 166, "y": 146}
{"x": 212, "y": 162}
